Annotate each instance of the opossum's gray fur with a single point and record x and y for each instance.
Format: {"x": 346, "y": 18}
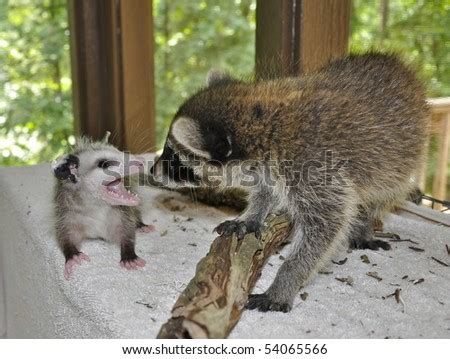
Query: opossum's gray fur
{"x": 368, "y": 111}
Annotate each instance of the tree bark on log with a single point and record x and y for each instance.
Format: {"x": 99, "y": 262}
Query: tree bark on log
{"x": 214, "y": 299}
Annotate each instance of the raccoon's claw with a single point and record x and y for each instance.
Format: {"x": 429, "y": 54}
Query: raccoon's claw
{"x": 240, "y": 228}
{"x": 263, "y": 303}
{"x": 373, "y": 244}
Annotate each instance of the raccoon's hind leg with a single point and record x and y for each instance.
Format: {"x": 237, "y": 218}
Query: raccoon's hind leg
{"x": 324, "y": 220}
{"x": 362, "y": 234}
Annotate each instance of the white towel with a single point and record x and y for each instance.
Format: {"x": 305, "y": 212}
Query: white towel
{"x": 104, "y": 300}
{"x": 2, "y": 296}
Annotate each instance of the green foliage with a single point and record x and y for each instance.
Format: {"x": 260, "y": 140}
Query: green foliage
{"x": 35, "y": 98}
{"x": 191, "y": 37}
{"x": 418, "y": 29}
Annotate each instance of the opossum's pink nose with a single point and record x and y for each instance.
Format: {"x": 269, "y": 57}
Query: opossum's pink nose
{"x": 141, "y": 161}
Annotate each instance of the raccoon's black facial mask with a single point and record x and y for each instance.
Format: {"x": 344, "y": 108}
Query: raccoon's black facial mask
{"x": 171, "y": 166}
{"x": 206, "y": 140}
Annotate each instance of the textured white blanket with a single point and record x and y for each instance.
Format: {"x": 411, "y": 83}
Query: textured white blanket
{"x": 104, "y": 300}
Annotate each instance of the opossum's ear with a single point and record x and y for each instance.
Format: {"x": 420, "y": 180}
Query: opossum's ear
{"x": 66, "y": 168}
{"x": 216, "y": 77}
{"x": 106, "y": 137}
{"x": 187, "y": 133}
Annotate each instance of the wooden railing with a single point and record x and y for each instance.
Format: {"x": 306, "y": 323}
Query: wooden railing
{"x": 440, "y": 127}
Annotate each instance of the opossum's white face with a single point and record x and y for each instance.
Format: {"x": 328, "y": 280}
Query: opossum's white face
{"x": 100, "y": 174}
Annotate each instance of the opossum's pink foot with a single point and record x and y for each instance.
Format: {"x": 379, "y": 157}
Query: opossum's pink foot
{"x": 133, "y": 264}
{"x": 70, "y": 265}
{"x": 146, "y": 228}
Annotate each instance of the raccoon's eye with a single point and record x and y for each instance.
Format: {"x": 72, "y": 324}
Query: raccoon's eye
{"x": 107, "y": 163}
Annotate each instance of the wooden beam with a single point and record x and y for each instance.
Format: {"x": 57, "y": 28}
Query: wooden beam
{"x": 440, "y": 176}
{"x": 112, "y": 71}
{"x": 295, "y": 36}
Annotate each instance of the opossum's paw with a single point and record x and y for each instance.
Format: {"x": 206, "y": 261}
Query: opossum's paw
{"x": 263, "y": 303}
{"x": 71, "y": 263}
{"x": 373, "y": 244}
{"x": 238, "y": 227}
{"x": 145, "y": 228}
{"x": 132, "y": 264}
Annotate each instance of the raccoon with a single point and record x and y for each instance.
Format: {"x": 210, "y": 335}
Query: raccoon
{"x": 334, "y": 149}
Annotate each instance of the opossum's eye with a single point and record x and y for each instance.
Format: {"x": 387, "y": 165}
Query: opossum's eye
{"x": 107, "y": 163}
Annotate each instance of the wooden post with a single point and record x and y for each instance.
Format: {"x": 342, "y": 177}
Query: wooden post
{"x": 112, "y": 71}
{"x": 440, "y": 176}
{"x": 294, "y": 36}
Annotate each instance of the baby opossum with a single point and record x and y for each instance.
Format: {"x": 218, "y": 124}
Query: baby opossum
{"x": 91, "y": 201}
{"x": 334, "y": 149}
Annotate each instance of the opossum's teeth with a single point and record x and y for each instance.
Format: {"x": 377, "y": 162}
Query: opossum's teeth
{"x": 117, "y": 194}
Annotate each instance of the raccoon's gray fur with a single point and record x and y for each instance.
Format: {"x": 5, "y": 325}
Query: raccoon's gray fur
{"x": 342, "y": 144}
{"x": 92, "y": 202}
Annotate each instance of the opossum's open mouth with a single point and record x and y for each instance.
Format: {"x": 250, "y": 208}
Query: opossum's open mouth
{"x": 117, "y": 194}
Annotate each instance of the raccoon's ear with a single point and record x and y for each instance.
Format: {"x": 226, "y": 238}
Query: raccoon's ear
{"x": 187, "y": 132}
{"x": 217, "y": 77}
{"x": 66, "y": 168}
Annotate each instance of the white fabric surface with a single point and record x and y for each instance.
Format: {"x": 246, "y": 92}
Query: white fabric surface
{"x": 104, "y": 300}
{"x": 2, "y": 297}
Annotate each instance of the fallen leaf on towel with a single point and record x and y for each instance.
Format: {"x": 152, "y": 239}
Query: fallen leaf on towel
{"x": 396, "y": 295}
{"x": 365, "y": 259}
{"x": 147, "y": 305}
{"x": 325, "y": 272}
{"x": 192, "y": 244}
{"x": 173, "y": 207}
{"x": 448, "y": 249}
{"x": 163, "y": 233}
{"x": 417, "y": 281}
{"x": 403, "y": 240}
{"x": 440, "y": 262}
{"x": 341, "y": 262}
{"x": 304, "y": 296}
{"x": 404, "y": 277}
{"x": 347, "y": 280}
{"x": 374, "y": 275}
{"x": 416, "y": 249}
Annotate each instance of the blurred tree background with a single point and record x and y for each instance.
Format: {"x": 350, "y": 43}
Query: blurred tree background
{"x": 35, "y": 87}
{"x": 191, "y": 37}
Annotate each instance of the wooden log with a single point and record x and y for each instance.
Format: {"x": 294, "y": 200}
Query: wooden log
{"x": 213, "y": 301}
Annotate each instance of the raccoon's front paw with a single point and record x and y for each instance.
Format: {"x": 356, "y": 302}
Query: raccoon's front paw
{"x": 263, "y": 303}
{"x": 240, "y": 228}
